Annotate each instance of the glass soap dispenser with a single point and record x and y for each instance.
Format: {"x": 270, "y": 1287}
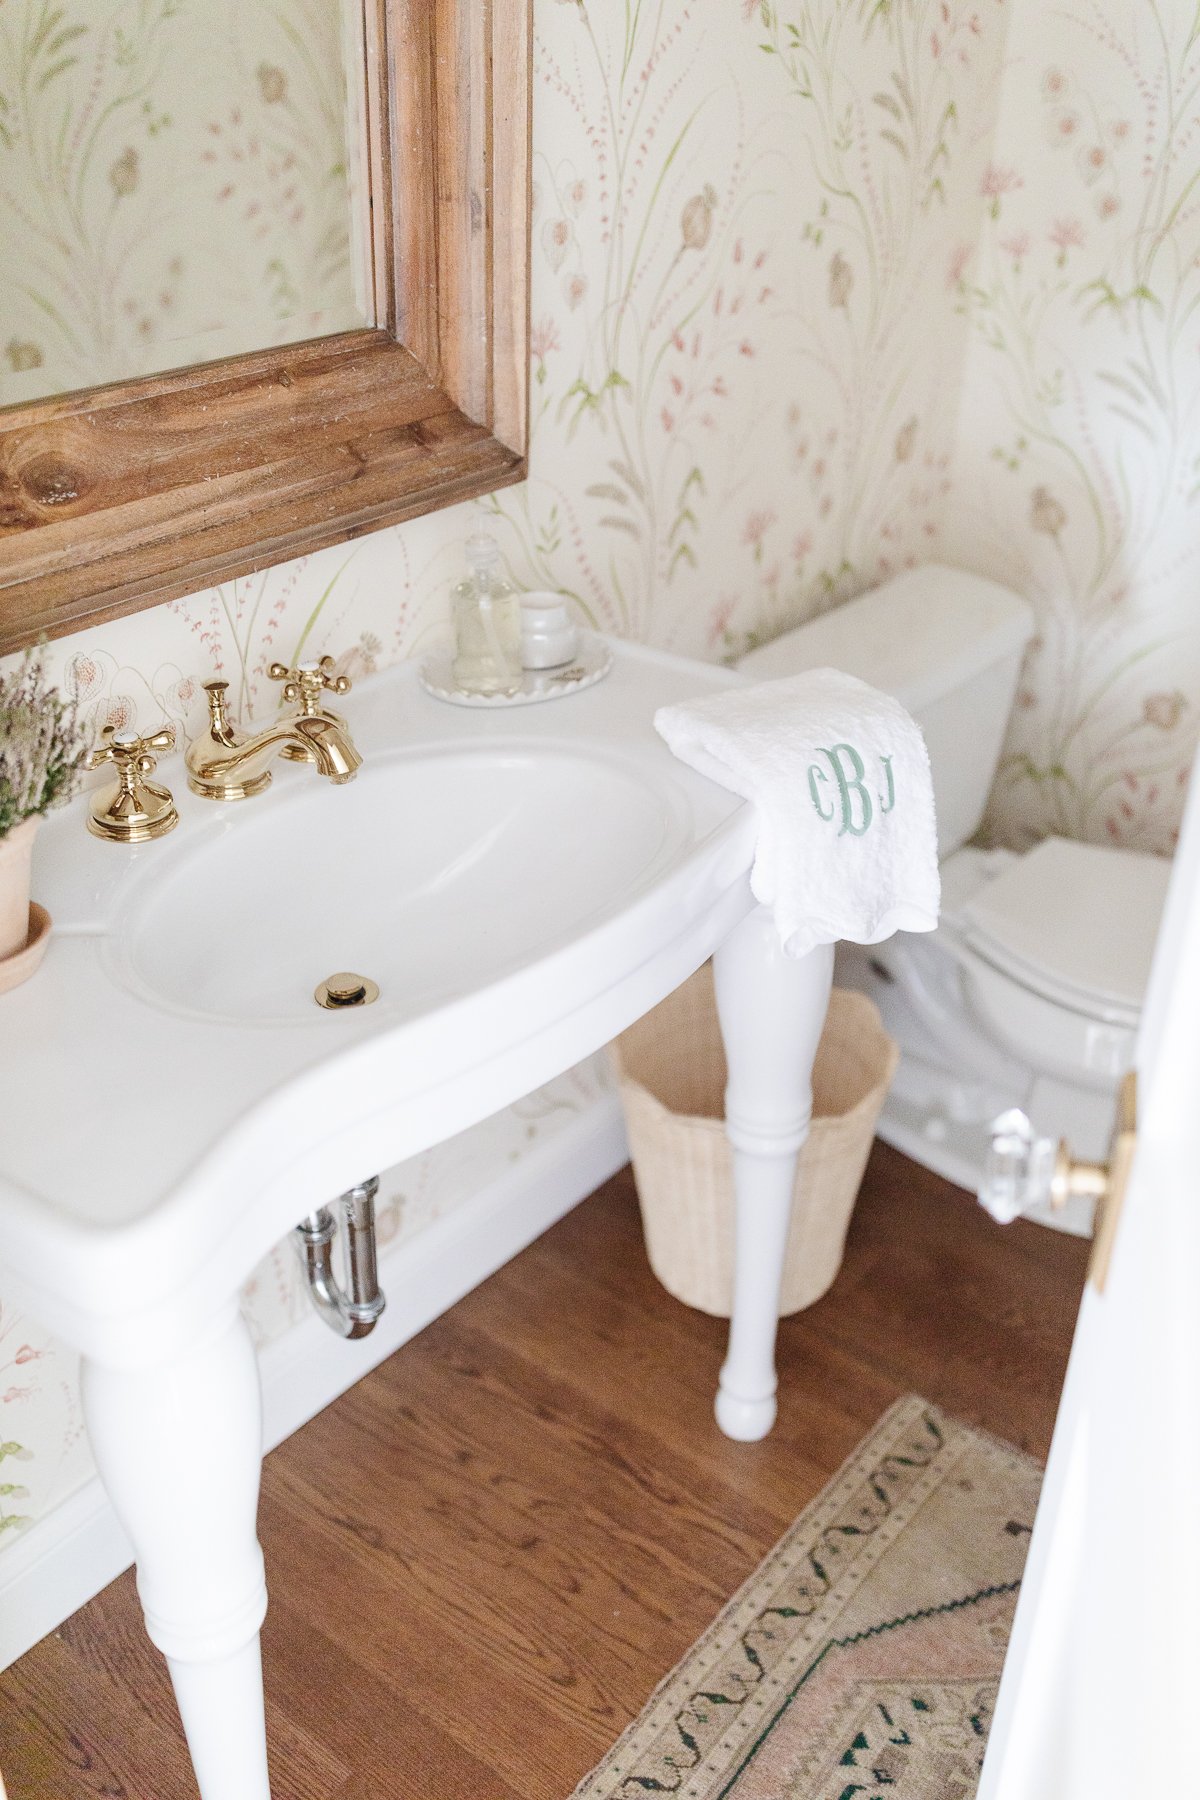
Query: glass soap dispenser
{"x": 487, "y": 624}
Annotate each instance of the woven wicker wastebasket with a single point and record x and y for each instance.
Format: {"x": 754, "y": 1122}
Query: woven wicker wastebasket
{"x": 670, "y": 1067}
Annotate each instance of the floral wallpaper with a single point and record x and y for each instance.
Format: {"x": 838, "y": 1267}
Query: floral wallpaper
{"x": 175, "y": 184}
{"x": 822, "y": 289}
{"x": 1077, "y": 458}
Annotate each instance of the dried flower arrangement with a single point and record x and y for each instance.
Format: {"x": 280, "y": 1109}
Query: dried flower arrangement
{"x": 42, "y": 747}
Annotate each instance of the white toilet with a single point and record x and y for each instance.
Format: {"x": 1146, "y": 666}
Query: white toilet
{"x": 1029, "y": 992}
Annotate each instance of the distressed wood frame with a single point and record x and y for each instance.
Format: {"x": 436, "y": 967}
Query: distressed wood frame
{"x": 120, "y": 497}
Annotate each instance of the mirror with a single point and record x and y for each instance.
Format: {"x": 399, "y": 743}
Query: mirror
{"x": 180, "y": 181}
{"x": 239, "y": 323}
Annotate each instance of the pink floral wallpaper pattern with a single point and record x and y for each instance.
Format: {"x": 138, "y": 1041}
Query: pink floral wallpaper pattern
{"x": 1077, "y": 455}
{"x": 739, "y": 411}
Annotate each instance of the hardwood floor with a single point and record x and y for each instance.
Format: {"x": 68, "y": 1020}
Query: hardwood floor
{"x": 484, "y": 1557}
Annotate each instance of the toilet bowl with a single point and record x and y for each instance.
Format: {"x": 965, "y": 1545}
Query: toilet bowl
{"x": 1055, "y": 948}
{"x": 1029, "y": 992}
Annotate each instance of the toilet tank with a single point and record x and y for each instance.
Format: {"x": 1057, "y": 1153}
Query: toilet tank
{"x": 949, "y": 646}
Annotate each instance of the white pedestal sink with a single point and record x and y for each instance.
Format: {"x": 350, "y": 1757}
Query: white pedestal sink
{"x": 521, "y": 885}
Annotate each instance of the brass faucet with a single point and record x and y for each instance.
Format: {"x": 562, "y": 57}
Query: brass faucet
{"x": 226, "y": 764}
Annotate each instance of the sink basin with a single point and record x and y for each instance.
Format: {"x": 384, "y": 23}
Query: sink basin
{"x": 433, "y": 874}
{"x": 518, "y": 884}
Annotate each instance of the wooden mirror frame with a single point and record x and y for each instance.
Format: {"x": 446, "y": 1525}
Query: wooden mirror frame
{"x": 120, "y": 497}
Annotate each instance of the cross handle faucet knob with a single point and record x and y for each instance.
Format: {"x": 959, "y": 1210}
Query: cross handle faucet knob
{"x": 130, "y": 754}
{"x": 307, "y": 682}
{"x": 135, "y": 809}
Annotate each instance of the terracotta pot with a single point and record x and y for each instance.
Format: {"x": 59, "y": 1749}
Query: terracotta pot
{"x": 16, "y": 852}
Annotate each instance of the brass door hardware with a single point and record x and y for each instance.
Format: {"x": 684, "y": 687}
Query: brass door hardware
{"x": 135, "y": 809}
{"x": 1023, "y": 1171}
{"x": 1116, "y": 1179}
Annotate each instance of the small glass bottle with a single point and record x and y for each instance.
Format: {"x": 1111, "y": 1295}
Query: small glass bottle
{"x": 487, "y": 624}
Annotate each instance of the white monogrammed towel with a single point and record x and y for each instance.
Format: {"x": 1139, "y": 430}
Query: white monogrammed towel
{"x": 847, "y": 845}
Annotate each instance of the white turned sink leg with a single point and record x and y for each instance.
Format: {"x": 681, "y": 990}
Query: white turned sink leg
{"x": 179, "y": 1448}
{"x": 772, "y": 1008}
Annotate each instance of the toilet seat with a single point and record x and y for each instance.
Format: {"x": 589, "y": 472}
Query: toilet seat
{"x": 1056, "y": 950}
{"x": 1075, "y": 922}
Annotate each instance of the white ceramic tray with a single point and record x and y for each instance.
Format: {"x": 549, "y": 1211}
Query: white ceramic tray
{"x": 591, "y": 664}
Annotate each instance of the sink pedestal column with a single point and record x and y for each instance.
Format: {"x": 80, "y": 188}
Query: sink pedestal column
{"x": 179, "y": 1448}
{"x": 772, "y": 1008}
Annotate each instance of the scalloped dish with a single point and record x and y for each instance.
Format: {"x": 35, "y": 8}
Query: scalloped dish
{"x": 591, "y": 665}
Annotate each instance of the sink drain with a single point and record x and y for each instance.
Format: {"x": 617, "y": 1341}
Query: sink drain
{"x": 339, "y": 992}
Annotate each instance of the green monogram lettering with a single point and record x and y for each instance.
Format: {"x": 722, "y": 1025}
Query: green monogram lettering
{"x": 853, "y": 802}
{"x": 891, "y": 786}
{"x": 815, "y": 775}
{"x": 850, "y": 784}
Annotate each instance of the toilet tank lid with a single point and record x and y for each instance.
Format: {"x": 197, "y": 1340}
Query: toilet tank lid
{"x": 1081, "y": 918}
{"x": 917, "y": 637}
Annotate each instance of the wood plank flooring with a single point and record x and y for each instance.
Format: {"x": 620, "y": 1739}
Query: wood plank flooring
{"x": 484, "y": 1557}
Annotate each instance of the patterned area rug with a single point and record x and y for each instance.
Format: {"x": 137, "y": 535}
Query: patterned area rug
{"x": 861, "y": 1659}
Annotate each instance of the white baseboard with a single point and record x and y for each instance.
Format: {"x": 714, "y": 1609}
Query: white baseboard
{"x": 78, "y": 1548}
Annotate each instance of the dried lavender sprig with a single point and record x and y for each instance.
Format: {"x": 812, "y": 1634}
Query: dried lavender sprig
{"x": 42, "y": 747}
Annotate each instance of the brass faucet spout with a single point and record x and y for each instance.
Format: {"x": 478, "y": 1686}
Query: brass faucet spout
{"x": 222, "y": 764}
{"x": 334, "y": 754}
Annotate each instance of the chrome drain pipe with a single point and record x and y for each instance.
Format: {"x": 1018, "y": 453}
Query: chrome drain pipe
{"x": 352, "y": 1314}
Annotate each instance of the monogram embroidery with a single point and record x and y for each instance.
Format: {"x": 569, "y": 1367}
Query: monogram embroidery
{"x": 846, "y": 790}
